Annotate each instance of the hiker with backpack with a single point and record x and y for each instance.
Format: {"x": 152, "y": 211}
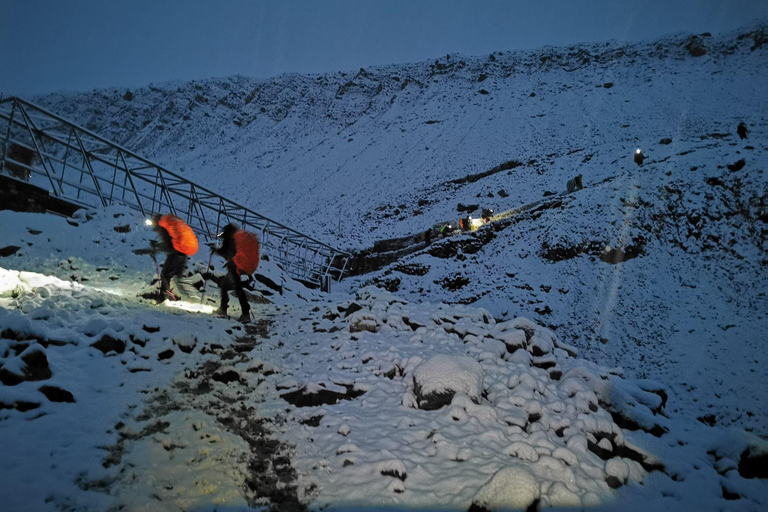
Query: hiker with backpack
{"x": 178, "y": 241}
{"x": 240, "y": 250}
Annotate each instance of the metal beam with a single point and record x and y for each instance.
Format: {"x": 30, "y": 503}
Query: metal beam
{"x": 150, "y": 188}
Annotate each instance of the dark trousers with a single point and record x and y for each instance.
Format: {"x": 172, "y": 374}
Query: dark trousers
{"x": 232, "y": 282}
{"x": 174, "y": 266}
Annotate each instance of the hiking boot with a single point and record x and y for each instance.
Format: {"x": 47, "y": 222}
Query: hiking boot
{"x": 221, "y": 313}
{"x": 245, "y": 318}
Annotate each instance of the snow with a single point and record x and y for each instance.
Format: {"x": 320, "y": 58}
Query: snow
{"x": 511, "y": 487}
{"x": 441, "y": 374}
{"x": 572, "y": 380}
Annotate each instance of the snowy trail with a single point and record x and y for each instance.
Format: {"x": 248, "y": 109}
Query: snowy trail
{"x": 323, "y": 403}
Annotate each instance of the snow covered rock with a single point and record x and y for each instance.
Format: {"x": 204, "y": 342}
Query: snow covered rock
{"x": 185, "y": 341}
{"x": 438, "y": 379}
{"x": 30, "y": 365}
{"x": 512, "y": 487}
{"x": 363, "y": 321}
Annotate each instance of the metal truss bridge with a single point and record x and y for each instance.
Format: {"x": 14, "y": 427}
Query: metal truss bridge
{"x": 80, "y": 167}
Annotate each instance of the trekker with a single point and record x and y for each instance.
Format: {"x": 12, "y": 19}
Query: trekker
{"x": 25, "y": 158}
{"x": 178, "y": 241}
{"x": 240, "y": 250}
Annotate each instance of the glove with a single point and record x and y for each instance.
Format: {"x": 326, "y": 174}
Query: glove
{"x": 152, "y": 249}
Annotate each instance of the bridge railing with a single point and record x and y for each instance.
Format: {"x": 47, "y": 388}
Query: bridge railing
{"x": 81, "y": 167}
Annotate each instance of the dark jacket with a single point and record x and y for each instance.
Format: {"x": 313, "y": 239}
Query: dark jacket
{"x": 164, "y": 243}
{"x": 227, "y": 249}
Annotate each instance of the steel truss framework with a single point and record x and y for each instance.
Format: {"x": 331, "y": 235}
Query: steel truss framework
{"x": 80, "y": 167}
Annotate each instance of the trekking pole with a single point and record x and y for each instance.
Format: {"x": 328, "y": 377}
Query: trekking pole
{"x": 205, "y": 281}
{"x": 157, "y": 267}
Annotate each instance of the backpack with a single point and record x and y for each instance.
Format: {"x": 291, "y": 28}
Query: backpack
{"x": 183, "y": 238}
{"x": 247, "y": 250}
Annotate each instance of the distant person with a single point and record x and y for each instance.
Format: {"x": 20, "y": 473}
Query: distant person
{"x": 575, "y": 184}
{"x": 742, "y": 130}
{"x": 22, "y": 155}
{"x": 179, "y": 242}
{"x": 240, "y": 250}
{"x": 639, "y": 157}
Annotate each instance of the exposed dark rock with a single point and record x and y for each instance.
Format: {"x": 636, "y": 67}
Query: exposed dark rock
{"x": 628, "y": 423}
{"x": 352, "y": 308}
{"x": 695, "y": 47}
{"x": 665, "y": 141}
{"x": 468, "y": 208}
{"x": 471, "y": 244}
{"x": 608, "y": 85}
{"x": 433, "y": 401}
{"x": 753, "y": 465}
{"x": 736, "y": 166}
{"x": 226, "y": 375}
{"x": 35, "y": 368}
{"x": 390, "y": 284}
{"x": 715, "y": 182}
{"x": 124, "y": 228}
{"x": 394, "y": 473}
{"x": 730, "y": 495}
{"x": 313, "y": 421}
{"x": 511, "y": 164}
{"x": 20, "y": 405}
{"x": 453, "y": 283}
{"x": 412, "y": 269}
{"x": 165, "y": 354}
{"x": 8, "y": 250}
{"x": 619, "y": 255}
{"x": 109, "y": 344}
{"x": 55, "y": 394}
{"x": 301, "y": 398}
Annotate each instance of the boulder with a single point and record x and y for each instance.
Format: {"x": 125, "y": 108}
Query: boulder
{"x": 438, "y": 379}
{"x": 514, "y": 487}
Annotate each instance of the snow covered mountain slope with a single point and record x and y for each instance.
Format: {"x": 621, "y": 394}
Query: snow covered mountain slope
{"x": 348, "y": 149}
{"x": 352, "y": 158}
{"x": 108, "y": 401}
{"x": 651, "y": 278}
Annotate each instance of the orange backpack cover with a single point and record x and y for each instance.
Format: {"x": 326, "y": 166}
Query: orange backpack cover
{"x": 247, "y": 249}
{"x": 182, "y": 236}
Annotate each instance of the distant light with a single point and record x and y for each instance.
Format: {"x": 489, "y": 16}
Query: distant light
{"x": 638, "y": 151}
{"x": 148, "y": 222}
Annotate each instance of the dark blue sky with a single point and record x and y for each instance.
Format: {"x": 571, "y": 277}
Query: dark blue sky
{"x": 52, "y": 45}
